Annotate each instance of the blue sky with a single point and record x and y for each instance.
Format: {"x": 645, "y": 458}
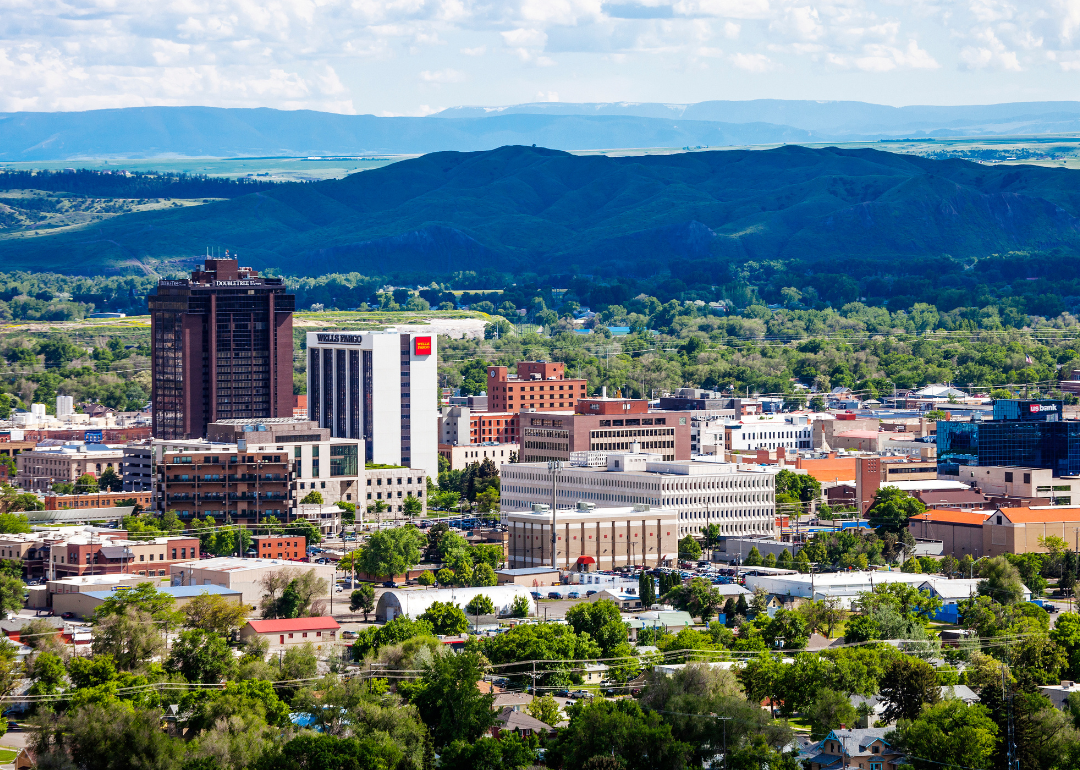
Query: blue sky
{"x": 412, "y": 57}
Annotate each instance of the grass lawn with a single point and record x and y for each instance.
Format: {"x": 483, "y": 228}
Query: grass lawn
{"x": 7, "y": 755}
{"x": 799, "y": 724}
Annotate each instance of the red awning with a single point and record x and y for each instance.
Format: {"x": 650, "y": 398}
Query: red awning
{"x": 586, "y": 560}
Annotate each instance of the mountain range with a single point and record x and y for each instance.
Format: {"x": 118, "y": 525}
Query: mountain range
{"x": 529, "y": 209}
{"x": 144, "y": 132}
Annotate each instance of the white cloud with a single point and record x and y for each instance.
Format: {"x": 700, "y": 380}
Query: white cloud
{"x": 442, "y": 76}
{"x": 753, "y": 62}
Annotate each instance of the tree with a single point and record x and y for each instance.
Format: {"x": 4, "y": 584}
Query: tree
{"x": 689, "y": 548}
{"x": 392, "y": 552}
{"x": 480, "y": 605}
{"x": 487, "y": 502}
{"x": 892, "y": 508}
{"x": 508, "y": 751}
{"x": 110, "y": 481}
{"x": 427, "y": 578}
{"x": 449, "y": 702}
{"x": 412, "y": 505}
{"x": 700, "y": 598}
{"x": 46, "y": 671}
{"x": 402, "y": 628}
{"x": 363, "y": 599}
{"x": 908, "y": 684}
{"x": 785, "y": 629}
{"x": 829, "y": 711}
{"x": 823, "y": 615}
{"x": 215, "y": 614}
{"x": 314, "y": 497}
{"x": 646, "y": 589}
{"x": 602, "y": 621}
{"x": 1000, "y": 581}
{"x": 519, "y": 608}
{"x": 105, "y": 736}
{"x": 484, "y": 576}
{"x": 949, "y": 734}
{"x": 11, "y": 593}
{"x": 1066, "y": 634}
{"x": 86, "y": 484}
{"x": 130, "y": 635}
{"x": 546, "y": 709}
{"x": 201, "y": 656}
{"x": 446, "y": 618}
{"x": 617, "y": 729}
{"x": 14, "y": 523}
{"x": 753, "y": 559}
{"x": 290, "y": 593}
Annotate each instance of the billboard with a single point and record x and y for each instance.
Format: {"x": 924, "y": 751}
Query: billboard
{"x": 422, "y": 346}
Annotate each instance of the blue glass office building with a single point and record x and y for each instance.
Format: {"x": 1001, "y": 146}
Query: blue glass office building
{"x": 1029, "y": 434}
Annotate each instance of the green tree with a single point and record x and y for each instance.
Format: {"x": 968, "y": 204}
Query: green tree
{"x": 689, "y": 548}
{"x": 402, "y": 628}
{"x": 646, "y": 589}
{"x": 314, "y": 497}
{"x": 602, "y": 621}
{"x": 892, "y": 508}
{"x": 104, "y": 736}
{"x": 546, "y": 709}
{"x": 1066, "y": 634}
{"x": 446, "y": 618}
{"x": 829, "y": 711}
{"x": 448, "y": 700}
{"x": 483, "y": 576}
{"x": 412, "y": 505}
{"x": 949, "y": 734}
{"x": 86, "y": 484}
{"x": 619, "y": 729}
{"x": 907, "y": 684}
{"x": 11, "y": 593}
{"x": 1000, "y": 580}
{"x": 392, "y": 552}
{"x": 46, "y": 671}
{"x": 700, "y": 598}
{"x": 753, "y": 559}
{"x": 110, "y": 480}
{"x": 201, "y": 656}
{"x": 480, "y": 605}
{"x": 15, "y": 523}
{"x": 363, "y": 600}
{"x": 520, "y": 607}
{"x": 786, "y": 629}
{"x": 509, "y": 751}
{"x": 215, "y": 614}
{"x": 427, "y": 578}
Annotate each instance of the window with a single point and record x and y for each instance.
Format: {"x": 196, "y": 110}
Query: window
{"x": 1027, "y": 478}
{"x": 1008, "y": 476}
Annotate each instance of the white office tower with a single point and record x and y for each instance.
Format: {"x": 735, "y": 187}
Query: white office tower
{"x": 65, "y": 405}
{"x": 379, "y": 387}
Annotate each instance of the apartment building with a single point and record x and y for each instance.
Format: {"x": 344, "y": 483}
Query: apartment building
{"x": 590, "y": 538}
{"x": 460, "y": 425}
{"x": 604, "y": 425}
{"x": 137, "y": 468}
{"x": 44, "y": 466}
{"x": 740, "y": 499}
{"x": 541, "y": 386}
{"x": 460, "y": 456}
{"x": 248, "y": 470}
{"x": 392, "y": 485}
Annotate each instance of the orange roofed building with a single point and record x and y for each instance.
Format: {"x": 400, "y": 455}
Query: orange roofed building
{"x": 997, "y": 532}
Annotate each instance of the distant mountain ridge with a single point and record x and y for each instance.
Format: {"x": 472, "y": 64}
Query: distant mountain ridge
{"x": 537, "y": 210}
{"x": 145, "y": 132}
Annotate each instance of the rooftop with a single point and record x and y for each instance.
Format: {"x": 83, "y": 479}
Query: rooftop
{"x": 1041, "y": 513}
{"x": 293, "y": 624}
{"x": 232, "y": 564}
{"x": 949, "y": 516}
{"x": 177, "y": 592}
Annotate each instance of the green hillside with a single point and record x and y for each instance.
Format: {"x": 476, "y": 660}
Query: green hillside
{"x": 538, "y": 210}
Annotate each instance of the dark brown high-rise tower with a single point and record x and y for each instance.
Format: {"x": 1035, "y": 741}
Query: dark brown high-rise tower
{"x": 222, "y": 349}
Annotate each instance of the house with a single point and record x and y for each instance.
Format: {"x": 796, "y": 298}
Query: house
{"x": 285, "y": 632}
{"x": 593, "y": 673}
{"x": 622, "y": 601}
{"x": 521, "y": 723}
{"x": 864, "y": 748}
{"x": 1059, "y": 693}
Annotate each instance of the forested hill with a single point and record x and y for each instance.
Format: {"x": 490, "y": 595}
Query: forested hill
{"x": 530, "y": 209}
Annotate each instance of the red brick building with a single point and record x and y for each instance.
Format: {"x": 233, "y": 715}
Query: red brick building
{"x": 539, "y": 385}
{"x": 291, "y": 547}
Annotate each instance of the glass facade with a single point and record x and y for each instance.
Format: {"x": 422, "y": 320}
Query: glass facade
{"x": 1029, "y": 434}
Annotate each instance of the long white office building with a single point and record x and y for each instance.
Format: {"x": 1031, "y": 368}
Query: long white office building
{"x": 379, "y": 387}
{"x": 741, "y": 499}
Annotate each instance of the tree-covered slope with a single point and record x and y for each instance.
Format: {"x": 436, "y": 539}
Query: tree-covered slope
{"x": 538, "y": 210}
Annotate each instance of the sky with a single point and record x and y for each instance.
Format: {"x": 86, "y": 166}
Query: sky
{"x": 414, "y": 57}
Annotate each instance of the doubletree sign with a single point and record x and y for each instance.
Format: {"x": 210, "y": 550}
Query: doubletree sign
{"x": 422, "y": 346}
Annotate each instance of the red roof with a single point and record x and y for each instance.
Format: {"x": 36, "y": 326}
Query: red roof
{"x": 586, "y": 560}
{"x": 293, "y": 624}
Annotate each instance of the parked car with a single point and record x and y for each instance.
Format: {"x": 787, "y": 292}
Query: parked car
{"x": 573, "y": 595}
{"x": 589, "y": 593}
{"x": 68, "y": 615}
{"x": 536, "y": 595}
{"x": 1050, "y": 607}
{"x": 554, "y": 595}
{"x": 389, "y": 584}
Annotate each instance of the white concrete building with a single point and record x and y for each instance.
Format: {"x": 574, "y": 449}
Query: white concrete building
{"x": 242, "y": 575}
{"x": 413, "y": 604}
{"x": 741, "y": 499}
{"x": 788, "y": 431}
{"x": 380, "y": 388}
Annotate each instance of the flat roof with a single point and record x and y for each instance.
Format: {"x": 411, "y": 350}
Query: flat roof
{"x": 175, "y": 591}
{"x": 233, "y": 564}
{"x": 526, "y": 571}
{"x": 597, "y": 513}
